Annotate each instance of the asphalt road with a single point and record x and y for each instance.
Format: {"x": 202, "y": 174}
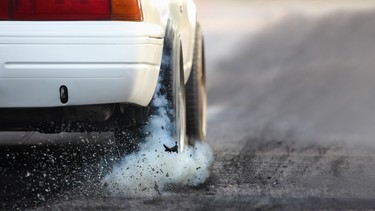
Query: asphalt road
{"x": 291, "y": 124}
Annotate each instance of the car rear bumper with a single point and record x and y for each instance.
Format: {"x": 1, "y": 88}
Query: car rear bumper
{"x": 99, "y": 63}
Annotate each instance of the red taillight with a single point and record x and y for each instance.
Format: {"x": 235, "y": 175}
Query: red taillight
{"x": 61, "y": 9}
{"x": 4, "y": 8}
{"x": 50, "y": 10}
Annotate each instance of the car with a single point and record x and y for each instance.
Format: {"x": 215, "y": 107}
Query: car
{"x": 93, "y": 65}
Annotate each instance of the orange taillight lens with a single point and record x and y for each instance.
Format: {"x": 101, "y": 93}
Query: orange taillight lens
{"x": 126, "y": 10}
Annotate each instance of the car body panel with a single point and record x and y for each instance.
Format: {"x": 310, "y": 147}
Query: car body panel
{"x": 183, "y": 15}
{"x": 101, "y": 62}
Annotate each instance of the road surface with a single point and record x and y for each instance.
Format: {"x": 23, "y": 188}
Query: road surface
{"x": 290, "y": 118}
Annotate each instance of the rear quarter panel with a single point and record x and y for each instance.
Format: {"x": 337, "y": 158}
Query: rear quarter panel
{"x": 183, "y": 15}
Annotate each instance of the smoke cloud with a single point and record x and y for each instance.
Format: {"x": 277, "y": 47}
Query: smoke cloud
{"x": 150, "y": 170}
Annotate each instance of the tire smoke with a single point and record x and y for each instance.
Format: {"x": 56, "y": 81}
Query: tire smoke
{"x": 150, "y": 170}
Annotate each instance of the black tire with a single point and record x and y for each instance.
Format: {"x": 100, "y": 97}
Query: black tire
{"x": 196, "y": 94}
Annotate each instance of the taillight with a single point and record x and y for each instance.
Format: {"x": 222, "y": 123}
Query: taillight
{"x": 126, "y": 10}
{"x": 4, "y": 10}
{"x": 58, "y": 10}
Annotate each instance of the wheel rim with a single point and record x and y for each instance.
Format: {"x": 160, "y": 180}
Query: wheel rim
{"x": 180, "y": 110}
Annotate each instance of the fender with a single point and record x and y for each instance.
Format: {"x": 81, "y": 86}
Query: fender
{"x": 181, "y": 16}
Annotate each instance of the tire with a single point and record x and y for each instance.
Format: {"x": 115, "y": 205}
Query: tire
{"x": 174, "y": 87}
{"x": 196, "y": 94}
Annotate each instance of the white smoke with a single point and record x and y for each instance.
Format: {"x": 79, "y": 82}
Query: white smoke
{"x": 148, "y": 171}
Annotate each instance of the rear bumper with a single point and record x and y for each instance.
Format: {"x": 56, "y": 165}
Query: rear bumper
{"x": 99, "y": 63}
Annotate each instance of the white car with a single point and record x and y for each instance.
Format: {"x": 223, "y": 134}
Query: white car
{"x": 93, "y": 65}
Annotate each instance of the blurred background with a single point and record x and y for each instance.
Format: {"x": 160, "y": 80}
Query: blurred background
{"x": 291, "y": 67}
